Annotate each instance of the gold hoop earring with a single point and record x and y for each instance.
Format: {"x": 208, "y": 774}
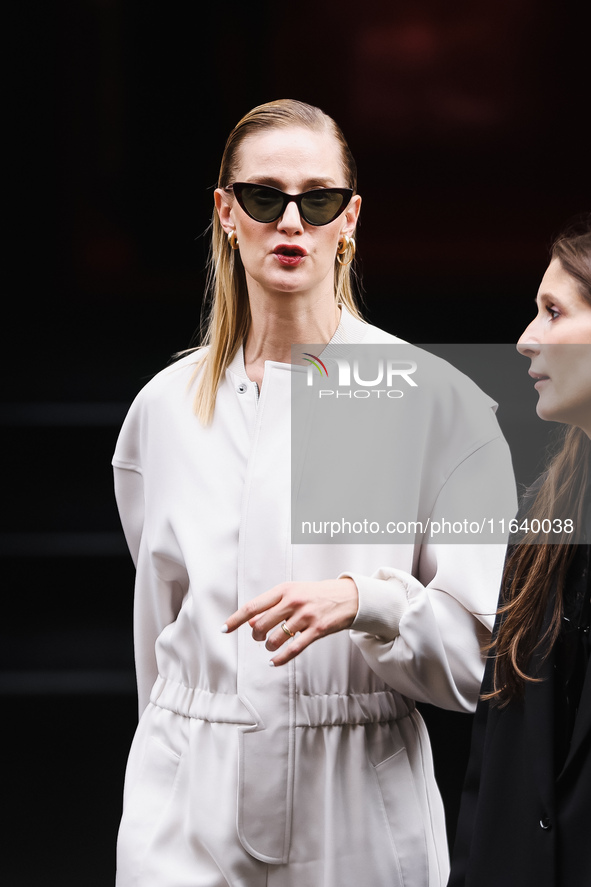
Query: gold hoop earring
{"x": 233, "y": 239}
{"x": 346, "y": 244}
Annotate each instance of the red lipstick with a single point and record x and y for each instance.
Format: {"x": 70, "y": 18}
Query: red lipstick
{"x": 289, "y": 254}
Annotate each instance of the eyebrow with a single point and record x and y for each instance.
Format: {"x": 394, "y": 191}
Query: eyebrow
{"x": 309, "y": 184}
{"x": 546, "y": 297}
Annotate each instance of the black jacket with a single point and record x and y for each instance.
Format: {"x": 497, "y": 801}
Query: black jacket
{"x": 523, "y": 821}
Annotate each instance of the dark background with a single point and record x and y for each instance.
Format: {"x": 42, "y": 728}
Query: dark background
{"x": 469, "y": 125}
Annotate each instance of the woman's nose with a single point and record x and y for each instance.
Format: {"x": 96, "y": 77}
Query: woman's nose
{"x": 291, "y": 221}
{"x": 529, "y": 342}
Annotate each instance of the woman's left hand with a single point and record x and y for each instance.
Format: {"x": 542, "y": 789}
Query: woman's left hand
{"x": 309, "y": 610}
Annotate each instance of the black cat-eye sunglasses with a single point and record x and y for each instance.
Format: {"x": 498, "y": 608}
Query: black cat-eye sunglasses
{"x": 266, "y": 204}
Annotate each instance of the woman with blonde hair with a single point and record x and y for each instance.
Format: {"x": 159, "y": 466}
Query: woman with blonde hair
{"x": 317, "y": 771}
{"x": 526, "y": 814}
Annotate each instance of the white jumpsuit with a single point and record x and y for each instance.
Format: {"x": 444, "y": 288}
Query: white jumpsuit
{"x": 319, "y": 772}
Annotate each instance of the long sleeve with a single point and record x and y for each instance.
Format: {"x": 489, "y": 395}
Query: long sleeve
{"x": 158, "y": 591}
{"x": 423, "y": 634}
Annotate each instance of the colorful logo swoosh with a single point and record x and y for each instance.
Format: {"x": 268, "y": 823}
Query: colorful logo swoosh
{"x": 315, "y": 361}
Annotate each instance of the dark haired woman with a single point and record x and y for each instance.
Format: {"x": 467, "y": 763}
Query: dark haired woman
{"x": 317, "y": 771}
{"x": 525, "y": 819}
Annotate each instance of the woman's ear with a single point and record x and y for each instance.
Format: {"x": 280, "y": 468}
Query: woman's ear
{"x": 351, "y": 216}
{"x": 223, "y": 204}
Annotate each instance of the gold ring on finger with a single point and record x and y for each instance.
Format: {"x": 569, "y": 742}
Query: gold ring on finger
{"x": 288, "y": 632}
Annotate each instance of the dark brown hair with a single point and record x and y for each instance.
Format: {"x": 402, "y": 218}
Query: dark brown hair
{"x": 534, "y": 569}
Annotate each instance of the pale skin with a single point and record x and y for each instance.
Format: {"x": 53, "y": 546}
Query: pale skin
{"x": 289, "y": 304}
{"x": 558, "y": 343}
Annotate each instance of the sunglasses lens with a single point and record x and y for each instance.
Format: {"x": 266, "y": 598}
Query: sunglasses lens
{"x": 266, "y": 204}
{"x": 263, "y": 204}
{"x": 322, "y": 206}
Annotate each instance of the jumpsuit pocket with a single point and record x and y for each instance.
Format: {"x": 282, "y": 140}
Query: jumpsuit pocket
{"x": 146, "y": 808}
{"x": 403, "y": 813}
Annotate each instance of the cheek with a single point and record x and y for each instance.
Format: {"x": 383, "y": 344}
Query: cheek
{"x": 568, "y": 397}
{"x": 576, "y": 331}
{"x": 249, "y": 235}
{"x": 586, "y": 334}
{"x": 581, "y": 380}
{"x": 328, "y": 243}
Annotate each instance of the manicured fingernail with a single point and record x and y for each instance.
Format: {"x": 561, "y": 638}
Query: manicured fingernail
{"x": 271, "y": 663}
{"x": 224, "y": 628}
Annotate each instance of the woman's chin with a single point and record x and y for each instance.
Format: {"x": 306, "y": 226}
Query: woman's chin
{"x": 547, "y": 413}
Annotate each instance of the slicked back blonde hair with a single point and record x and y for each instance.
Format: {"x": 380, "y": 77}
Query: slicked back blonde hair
{"x": 228, "y": 321}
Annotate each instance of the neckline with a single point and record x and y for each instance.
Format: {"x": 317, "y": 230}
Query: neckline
{"x": 349, "y": 330}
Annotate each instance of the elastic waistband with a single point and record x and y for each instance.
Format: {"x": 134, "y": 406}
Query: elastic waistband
{"x": 324, "y": 710}
{"x": 193, "y": 702}
{"x": 327, "y": 710}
